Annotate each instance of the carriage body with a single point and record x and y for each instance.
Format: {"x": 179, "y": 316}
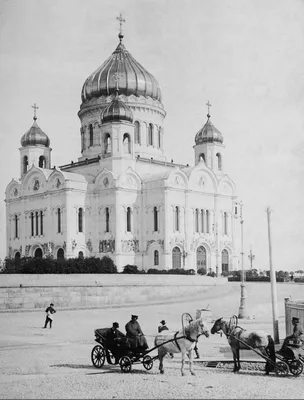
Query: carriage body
{"x": 128, "y": 355}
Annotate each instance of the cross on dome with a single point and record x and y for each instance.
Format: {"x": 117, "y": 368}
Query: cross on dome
{"x": 208, "y": 105}
{"x": 121, "y": 20}
{"x": 35, "y": 107}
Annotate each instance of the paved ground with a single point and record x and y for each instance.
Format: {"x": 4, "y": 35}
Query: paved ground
{"x": 49, "y": 364}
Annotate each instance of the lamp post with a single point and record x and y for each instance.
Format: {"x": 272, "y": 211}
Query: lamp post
{"x": 243, "y": 306}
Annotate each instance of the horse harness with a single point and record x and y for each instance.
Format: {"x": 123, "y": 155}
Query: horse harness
{"x": 182, "y": 337}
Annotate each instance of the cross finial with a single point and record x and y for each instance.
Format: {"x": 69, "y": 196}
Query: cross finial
{"x": 208, "y": 105}
{"x": 121, "y": 20}
{"x": 35, "y": 107}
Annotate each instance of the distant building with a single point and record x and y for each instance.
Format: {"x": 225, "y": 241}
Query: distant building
{"x": 123, "y": 198}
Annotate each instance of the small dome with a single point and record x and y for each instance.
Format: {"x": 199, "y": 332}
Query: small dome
{"x": 134, "y": 79}
{"x": 117, "y": 110}
{"x": 208, "y": 134}
{"x": 35, "y": 136}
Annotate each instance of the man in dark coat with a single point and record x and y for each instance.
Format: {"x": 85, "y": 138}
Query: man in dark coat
{"x": 49, "y": 315}
{"x": 135, "y": 334}
{"x": 297, "y": 336}
{"x": 162, "y": 326}
{"x": 114, "y": 340}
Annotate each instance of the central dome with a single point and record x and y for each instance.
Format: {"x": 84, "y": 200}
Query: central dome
{"x": 132, "y": 77}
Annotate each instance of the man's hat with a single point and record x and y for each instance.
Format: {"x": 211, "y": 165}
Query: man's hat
{"x": 115, "y": 324}
{"x": 134, "y": 316}
{"x": 51, "y": 304}
{"x": 163, "y": 322}
{"x": 296, "y": 319}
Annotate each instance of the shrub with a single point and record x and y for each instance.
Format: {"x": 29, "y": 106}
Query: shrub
{"x": 130, "y": 269}
{"x": 190, "y": 271}
{"x": 156, "y": 271}
{"x": 202, "y": 271}
{"x": 177, "y": 271}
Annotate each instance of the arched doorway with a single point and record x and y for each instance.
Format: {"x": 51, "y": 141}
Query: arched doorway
{"x": 225, "y": 261}
{"x": 38, "y": 253}
{"x": 60, "y": 254}
{"x": 17, "y": 256}
{"x": 201, "y": 258}
{"x": 176, "y": 258}
{"x": 80, "y": 255}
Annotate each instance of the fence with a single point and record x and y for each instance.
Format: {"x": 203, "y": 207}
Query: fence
{"x": 293, "y": 309}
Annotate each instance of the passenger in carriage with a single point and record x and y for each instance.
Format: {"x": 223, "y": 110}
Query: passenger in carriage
{"x": 162, "y": 326}
{"x": 296, "y": 338}
{"x": 114, "y": 340}
{"x": 135, "y": 334}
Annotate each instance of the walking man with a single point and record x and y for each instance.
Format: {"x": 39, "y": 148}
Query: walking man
{"x": 50, "y": 311}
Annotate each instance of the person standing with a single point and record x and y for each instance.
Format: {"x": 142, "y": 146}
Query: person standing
{"x": 162, "y": 326}
{"x": 50, "y": 311}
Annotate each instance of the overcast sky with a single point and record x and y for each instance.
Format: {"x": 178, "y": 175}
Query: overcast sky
{"x": 245, "y": 57}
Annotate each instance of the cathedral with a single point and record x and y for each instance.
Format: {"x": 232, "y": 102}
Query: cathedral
{"x": 122, "y": 197}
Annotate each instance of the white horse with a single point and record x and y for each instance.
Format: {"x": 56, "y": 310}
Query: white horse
{"x": 180, "y": 342}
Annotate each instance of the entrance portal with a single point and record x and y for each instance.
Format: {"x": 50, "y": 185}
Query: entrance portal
{"x": 201, "y": 258}
{"x": 176, "y": 258}
{"x": 225, "y": 261}
{"x": 38, "y": 253}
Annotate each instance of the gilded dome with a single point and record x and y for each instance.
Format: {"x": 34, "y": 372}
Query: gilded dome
{"x": 117, "y": 110}
{"x": 208, "y": 134}
{"x": 35, "y": 136}
{"x": 133, "y": 78}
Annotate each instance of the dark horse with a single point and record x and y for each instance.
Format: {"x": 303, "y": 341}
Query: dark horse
{"x": 239, "y": 338}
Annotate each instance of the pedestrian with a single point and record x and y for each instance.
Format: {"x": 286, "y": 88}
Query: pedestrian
{"x": 162, "y": 326}
{"x": 50, "y": 311}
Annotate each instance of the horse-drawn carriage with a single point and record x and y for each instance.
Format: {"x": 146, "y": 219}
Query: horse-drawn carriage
{"x": 127, "y": 355}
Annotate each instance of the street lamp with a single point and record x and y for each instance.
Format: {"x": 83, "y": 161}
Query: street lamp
{"x": 243, "y": 307}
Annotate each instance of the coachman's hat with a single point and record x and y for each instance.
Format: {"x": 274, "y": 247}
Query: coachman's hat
{"x": 115, "y": 325}
{"x": 52, "y": 304}
{"x": 296, "y": 319}
{"x": 163, "y": 322}
{"x": 134, "y": 316}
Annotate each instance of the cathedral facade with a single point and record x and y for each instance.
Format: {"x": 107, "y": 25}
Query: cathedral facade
{"x": 123, "y": 198}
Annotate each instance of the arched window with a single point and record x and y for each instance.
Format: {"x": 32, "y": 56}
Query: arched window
{"x": 156, "y": 257}
{"x": 80, "y": 220}
{"x": 225, "y": 223}
{"x": 176, "y": 258}
{"x": 32, "y": 224}
{"x": 38, "y": 253}
{"x": 137, "y": 132}
{"x": 207, "y": 221}
{"x": 25, "y": 164}
{"x": 108, "y": 144}
{"x": 41, "y": 222}
{"x": 202, "y": 157}
{"x": 58, "y": 220}
{"x": 202, "y": 221}
{"x": 60, "y": 254}
{"x": 128, "y": 219}
{"x": 126, "y": 143}
{"x": 17, "y": 257}
{"x": 150, "y": 135}
{"x": 225, "y": 261}
{"x": 219, "y": 161}
{"x": 37, "y": 223}
{"x": 159, "y": 137}
{"x": 201, "y": 257}
{"x": 41, "y": 162}
{"x": 107, "y": 219}
{"x": 155, "y": 219}
{"x": 176, "y": 219}
{"x": 16, "y": 226}
{"x": 91, "y": 135}
{"x": 196, "y": 220}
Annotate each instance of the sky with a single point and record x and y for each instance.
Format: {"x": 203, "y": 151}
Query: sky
{"x": 245, "y": 57}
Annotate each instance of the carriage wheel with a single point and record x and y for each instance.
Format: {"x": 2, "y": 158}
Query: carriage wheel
{"x": 296, "y": 367}
{"x": 147, "y": 362}
{"x": 281, "y": 368}
{"x": 98, "y": 356}
{"x": 125, "y": 364}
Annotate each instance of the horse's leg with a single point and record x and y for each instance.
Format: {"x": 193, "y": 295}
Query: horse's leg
{"x": 183, "y": 362}
{"x": 161, "y": 354}
{"x": 238, "y": 358}
{"x": 191, "y": 362}
{"x": 234, "y": 350}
